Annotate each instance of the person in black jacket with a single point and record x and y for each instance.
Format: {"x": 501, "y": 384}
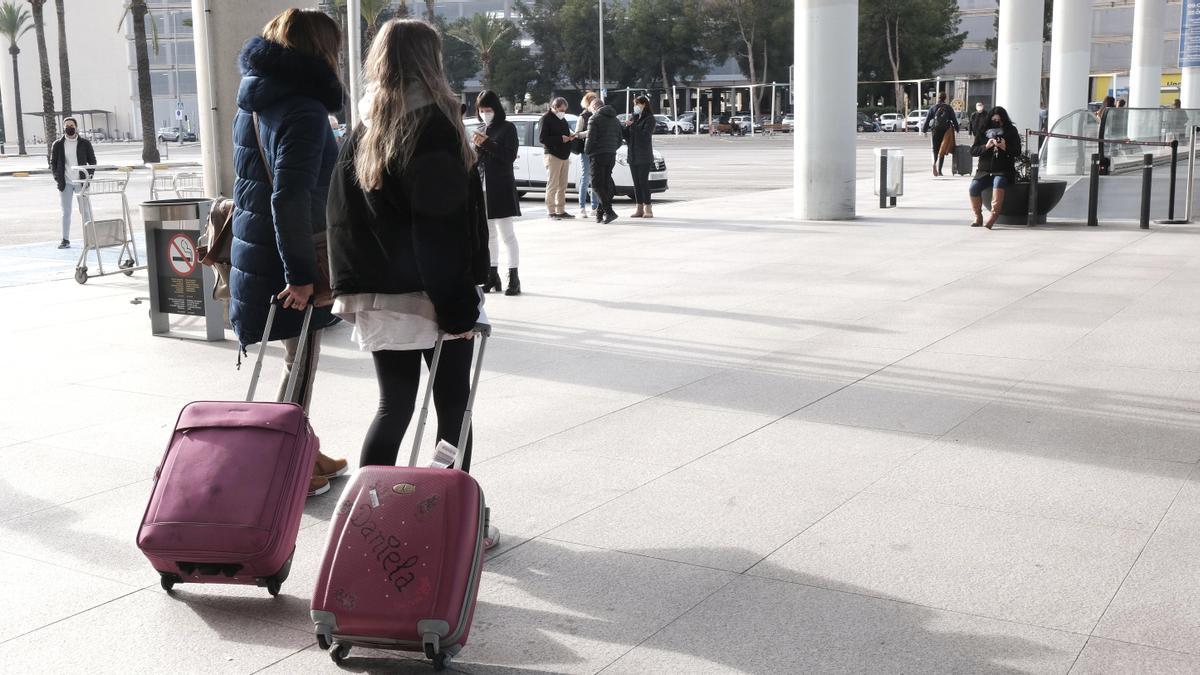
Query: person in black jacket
{"x": 497, "y": 143}
{"x": 940, "y": 119}
{"x": 997, "y": 148}
{"x": 603, "y": 141}
{"x": 556, "y": 137}
{"x": 68, "y": 151}
{"x": 639, "y": 136}
{"x": 585, "y": 165}
{"x": 290, "y": 84}
{"x": 406, "y": 236}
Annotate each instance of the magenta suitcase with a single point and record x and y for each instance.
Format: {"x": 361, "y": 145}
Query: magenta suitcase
{"x": 405, "y": 554}
{"x": 230, "y": 490}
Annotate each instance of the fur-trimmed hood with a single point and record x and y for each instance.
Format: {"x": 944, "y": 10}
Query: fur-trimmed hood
{"x": 272, "y": 72}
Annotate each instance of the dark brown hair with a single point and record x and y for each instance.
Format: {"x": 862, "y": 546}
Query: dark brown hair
{"x": 309, "y": 31}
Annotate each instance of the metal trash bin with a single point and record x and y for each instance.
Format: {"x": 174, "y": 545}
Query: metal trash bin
{"x": 179, "y": 284}
{"x": 889, "y": 175}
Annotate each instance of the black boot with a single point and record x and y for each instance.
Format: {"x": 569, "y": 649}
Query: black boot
{"x": 514, "y": 282}
{"x": 493, "y": 282}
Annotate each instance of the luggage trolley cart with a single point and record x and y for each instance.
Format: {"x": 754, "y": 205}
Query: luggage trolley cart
{"x": 91, "y": 181}
{"x": 188, "y": 184}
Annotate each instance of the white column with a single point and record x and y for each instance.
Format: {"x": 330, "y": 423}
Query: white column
{"x": 221, "y": 28}
{"x": 1189, "y": 88}
{"x": 1145, "y": 70}
{"x": 826, "y": 57}
{"x": 1019, "y": 61}
{"x": 354, "y": 57}
{"x": 1070, "y": 57}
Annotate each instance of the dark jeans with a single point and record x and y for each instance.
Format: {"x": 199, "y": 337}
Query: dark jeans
{"x": 602, "y": 181}
{"x": 641, "y": 182}
{"x": 399, "y": 375}
{"x": 938, "y": 135}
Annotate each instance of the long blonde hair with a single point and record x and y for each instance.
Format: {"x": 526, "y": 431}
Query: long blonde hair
{"x": 403, "y": 74}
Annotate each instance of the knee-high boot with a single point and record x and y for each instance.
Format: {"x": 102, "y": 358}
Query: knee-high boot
{"x": 997, "y": 204}
{"x": 977, "y": 209}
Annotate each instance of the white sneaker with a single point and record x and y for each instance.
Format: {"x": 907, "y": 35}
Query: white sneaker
{"x": 492, "y": 538}
{"x": 583, "y": 213}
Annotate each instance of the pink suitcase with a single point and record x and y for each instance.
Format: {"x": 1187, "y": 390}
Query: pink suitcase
{"x": 230, "y": 490}
{"x": 405, "y": 554}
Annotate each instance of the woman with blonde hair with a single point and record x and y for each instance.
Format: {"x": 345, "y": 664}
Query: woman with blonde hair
{"x": 284, "y": 151}
{"x": 585, "y": 177}
{"x": 407, "y": 237}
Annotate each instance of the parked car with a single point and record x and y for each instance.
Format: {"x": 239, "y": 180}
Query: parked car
{"x": 662, "y": 124}
{"x": 684, "y": 124}
{"x": 530, "y": 171}
{"x": 743, "y": 121}
{"x": 889, "y": 121}
{"x": 866, "y": 123}
{"x": 176, "y": 134}
{"x": 788, "y": 120}
{"x": 95, "y": 135}
{"x": 914, "y": 120}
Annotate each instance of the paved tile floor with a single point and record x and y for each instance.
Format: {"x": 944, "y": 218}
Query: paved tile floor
{"x": 717, "y": 441}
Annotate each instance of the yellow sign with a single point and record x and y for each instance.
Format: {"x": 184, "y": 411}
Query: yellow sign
{"x": 957, "y": 104}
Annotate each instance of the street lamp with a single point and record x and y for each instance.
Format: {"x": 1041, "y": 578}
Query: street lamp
{"x": 600, "y": 4}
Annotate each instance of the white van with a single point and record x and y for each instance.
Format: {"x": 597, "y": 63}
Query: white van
{"x": 530, "y": 170}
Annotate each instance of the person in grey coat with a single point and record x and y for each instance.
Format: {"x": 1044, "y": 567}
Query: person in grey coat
{"x": 603, "y": 141}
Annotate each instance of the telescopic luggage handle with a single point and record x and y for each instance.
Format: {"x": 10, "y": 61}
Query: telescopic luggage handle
{"x": 484, "y": 331}
{"x": 262, "y": 350}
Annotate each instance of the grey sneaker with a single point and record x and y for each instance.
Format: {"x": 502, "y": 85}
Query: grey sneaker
{"x": 65, "y": 243}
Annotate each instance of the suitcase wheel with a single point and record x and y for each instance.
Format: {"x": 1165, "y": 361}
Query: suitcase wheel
{"x": 322, "y": 641}
{"x": 338, "y": 652}
{"x": 273, "y": 586}
{"x": 167, "y": 581}
{"x": 439, "y": 661}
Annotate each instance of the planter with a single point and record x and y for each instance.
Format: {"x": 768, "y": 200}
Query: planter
{"x": 1015, "y": 210}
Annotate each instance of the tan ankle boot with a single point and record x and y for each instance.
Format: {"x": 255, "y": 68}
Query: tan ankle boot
{"x": 649, "y": 213}
{"x": 639, "y": 213}
{"x": 997, "y": 204}
{"x": 977, "y": 209}
{"x": 328, "y": 467}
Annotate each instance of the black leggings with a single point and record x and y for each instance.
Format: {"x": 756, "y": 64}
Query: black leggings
{"x": 399, "y": 374}
{"x": 938, "y": 135}
{"x": 641, "y": 182}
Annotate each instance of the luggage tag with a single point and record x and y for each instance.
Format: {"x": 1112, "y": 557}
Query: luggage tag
{"x": 444, "y": 456}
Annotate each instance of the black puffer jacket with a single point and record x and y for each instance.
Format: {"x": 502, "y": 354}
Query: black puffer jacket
{"x": 639, "y": 136}
{"x": 996, "y": 162}
{"x": 423, "y": 231}
{"x": 604, "y": 133}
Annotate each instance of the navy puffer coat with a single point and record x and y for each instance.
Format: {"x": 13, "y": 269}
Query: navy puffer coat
{"x": 293, "y": 94}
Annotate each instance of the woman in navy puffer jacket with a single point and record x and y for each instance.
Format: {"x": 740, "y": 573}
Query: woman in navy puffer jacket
{"x": 290, "y": 82}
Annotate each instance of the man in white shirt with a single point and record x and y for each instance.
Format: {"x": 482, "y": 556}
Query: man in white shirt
{"x": 68, "y": 151}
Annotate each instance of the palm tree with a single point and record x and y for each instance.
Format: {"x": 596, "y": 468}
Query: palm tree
{"x": 137, "y": 13}
{"x": 14, "y": 23}
{"x": 64, "y": 65}
{"x": 430, "y": 14}
{"x": 371, "y": 11}
{"x": 482, "y": 33}
{"x": 48, "y": 119}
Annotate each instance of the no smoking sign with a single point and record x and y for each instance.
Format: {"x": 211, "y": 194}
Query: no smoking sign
{"x": 181, "y": 254}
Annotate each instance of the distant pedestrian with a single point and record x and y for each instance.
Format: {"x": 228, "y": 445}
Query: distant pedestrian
{"x": 940, "y": 119}
{"x": 639, "y": 136}
{"x": 603, "y": 141}
{"x": 586, "y": 193}
{"x": 979, "y": 119}
{"x": 68, "y": 151}
{"x": 555, "y": 137}
{"x": 497, "y": 143}
{"x": 997, "y": 148}
{"x": 1177, "y": 121}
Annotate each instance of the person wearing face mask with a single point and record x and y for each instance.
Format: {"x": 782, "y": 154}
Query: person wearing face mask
{"x": 555, "y": 137}
{"x": 497, "y": 144}
{"x": 997, "y": 148}
{"x": 68, "y": 151}
{"x": 979, "y": 119}
{"x": 639, "y": 136}
{"x": 603, "y": 141}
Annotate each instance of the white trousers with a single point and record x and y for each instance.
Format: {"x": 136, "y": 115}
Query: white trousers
{"x": 504, "y": 228}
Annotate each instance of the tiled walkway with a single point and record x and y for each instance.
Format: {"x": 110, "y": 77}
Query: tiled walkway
{"x": 717, "y": 441}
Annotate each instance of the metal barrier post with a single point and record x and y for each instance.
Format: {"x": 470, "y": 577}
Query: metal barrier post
{"x": 1032, "y": 218}
{"x": 1147, "y": 181}
{"x": 883, "y": 178}
{"x": 1171, "y": 219}
{"x": 1093, "y": 191}
{"x": 1187, "y": 208}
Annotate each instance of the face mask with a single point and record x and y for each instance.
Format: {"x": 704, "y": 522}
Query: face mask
{"x": 487, "y": 117}
{"x": 637, "y": 110}
{"x": 70, "y": 131}
{"x": 561, "y": 115}
{"x": 997, "y": 124}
